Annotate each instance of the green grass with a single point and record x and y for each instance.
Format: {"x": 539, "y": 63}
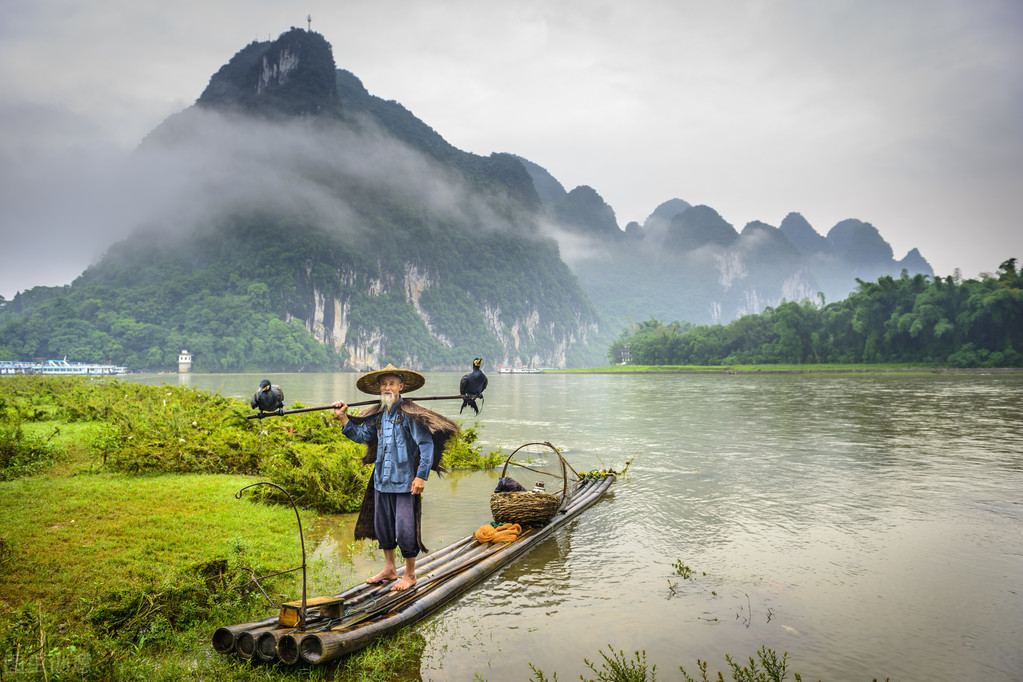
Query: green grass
{"x": 107, "y": 570}
{"x": 71, "y": 537}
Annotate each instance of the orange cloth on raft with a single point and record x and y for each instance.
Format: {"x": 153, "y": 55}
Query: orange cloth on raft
{"x": 503, "y": 533}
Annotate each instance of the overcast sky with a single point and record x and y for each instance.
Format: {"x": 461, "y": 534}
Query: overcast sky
{"x": 906, "y": 114}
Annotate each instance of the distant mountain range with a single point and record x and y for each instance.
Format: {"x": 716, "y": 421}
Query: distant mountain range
{"x": 291, "y": 189}
{"x": 687, "y": 263}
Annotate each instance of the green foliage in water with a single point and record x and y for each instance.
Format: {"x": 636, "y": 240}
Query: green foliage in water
{"x": 464, "y": 452}
{"x": 616, "y": 667}
{"x": 682, "y": 570}
{"x": 766, "y": 667}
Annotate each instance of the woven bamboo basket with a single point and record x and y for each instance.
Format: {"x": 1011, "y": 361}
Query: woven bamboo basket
{"x": 529, "y": 508}
{"x": 526, "y": 509}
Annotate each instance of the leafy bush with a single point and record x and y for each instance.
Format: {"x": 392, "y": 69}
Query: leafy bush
{"x": 162, "y": 429}
{"x": 463, "y": 452}
{"x": 22, "y": 454}
{"x": 767, "y": 667}
{"x": 329, "y": 478}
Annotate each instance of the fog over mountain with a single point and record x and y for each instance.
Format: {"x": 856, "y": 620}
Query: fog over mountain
{"x": 386, "y": 243}
{"x": 688, "y": 263}
{"x": 904, "y": 116}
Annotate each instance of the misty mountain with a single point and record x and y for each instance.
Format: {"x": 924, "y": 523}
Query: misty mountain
{"x": 687, "y": 263}
{"x": 287, "y": 195}
{"x": 583, "y": 212}
{"x": 290, "y": 206}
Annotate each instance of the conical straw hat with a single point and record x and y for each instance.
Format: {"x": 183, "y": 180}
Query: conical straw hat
{"x": 370, "y": 382}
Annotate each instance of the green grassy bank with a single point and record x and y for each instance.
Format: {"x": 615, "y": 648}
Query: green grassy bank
{"x": 123, "y": 545}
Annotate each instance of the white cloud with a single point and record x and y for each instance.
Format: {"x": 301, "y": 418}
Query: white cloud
{"x": 901, "y": 114}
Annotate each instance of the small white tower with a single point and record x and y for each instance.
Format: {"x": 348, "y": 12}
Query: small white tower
{"x": 184, "y": 362}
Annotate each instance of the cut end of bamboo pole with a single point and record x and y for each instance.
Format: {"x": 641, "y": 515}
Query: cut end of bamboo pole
{"x": 288, "y": 649}
{"x": 312, "y": 649}
{"x": 223, "y": 641}
{"x": 266, "y": 647}
{"x": 246, "y": 644}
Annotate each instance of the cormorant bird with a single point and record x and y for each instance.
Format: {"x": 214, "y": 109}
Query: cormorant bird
{"x": 472, "y": 386}
{"x": 509, "y": 485}
{"x": 269, "y": 398}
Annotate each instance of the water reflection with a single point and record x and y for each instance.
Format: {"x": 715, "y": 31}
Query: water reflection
{"x": 523, "y": 587}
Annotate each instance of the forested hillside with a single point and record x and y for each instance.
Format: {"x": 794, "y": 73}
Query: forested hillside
{"x": 974, "y": 323}
{"x": 299, "y": 223}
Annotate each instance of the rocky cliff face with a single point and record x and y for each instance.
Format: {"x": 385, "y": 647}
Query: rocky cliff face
{"x": 525, "y": 340}
{"x": 292, "y": 76}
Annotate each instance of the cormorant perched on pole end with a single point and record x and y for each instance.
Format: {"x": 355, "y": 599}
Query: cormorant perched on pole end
{"x": 269, "y": 398}
{"x": 472, "y": 385}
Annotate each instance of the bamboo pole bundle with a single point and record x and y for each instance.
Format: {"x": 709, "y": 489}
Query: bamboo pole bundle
{"x": 362, "y": 591}
{"x": 388, "y": 600}
{"x": 246, "y": 643}
{"x": 288, "y": 647}
{"x": 284, "y": 642}
{"x": 587, "y": 494}
{"x": 266, "y": 643}
{"x": 291, "y": 644}
{"x": 442, "y": 553}
{"x": 225, "y": 638}
{"x": 335, "y": 642}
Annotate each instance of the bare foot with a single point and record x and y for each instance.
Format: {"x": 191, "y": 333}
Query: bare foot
{"x": 382, "y": 577}
{"x": 406, "y": 582}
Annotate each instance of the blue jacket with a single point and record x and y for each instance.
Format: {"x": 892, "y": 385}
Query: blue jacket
{"x": 399, "y": 439}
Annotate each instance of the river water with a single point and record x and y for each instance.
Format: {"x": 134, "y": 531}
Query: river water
{"x": 870, "y": 525}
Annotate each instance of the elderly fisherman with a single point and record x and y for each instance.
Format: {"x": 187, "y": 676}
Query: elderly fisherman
{"x": 404, "y": 441}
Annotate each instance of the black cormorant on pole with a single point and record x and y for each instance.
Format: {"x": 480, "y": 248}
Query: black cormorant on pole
{"x": 472, "y": 385}
{"x": 269, "y": 398}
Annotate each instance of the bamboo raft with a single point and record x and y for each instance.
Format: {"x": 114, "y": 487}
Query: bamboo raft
{"x": 344, "y": 623}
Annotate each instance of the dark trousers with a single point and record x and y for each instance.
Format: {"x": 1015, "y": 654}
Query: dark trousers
{"x": 395, "y": 522}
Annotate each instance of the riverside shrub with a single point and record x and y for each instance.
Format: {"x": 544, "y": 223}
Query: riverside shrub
{"x": 179, "y": 429}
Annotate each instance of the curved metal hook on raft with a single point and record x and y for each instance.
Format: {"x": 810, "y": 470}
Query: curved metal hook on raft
{"x": 301, "y": 538}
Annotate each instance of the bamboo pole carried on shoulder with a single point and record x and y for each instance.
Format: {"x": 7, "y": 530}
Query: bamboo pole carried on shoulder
{"x": 361, "y": 403}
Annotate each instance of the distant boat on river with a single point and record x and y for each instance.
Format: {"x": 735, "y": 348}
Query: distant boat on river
{"x": 517, "y": 370}
{"x": 9, "y": 367}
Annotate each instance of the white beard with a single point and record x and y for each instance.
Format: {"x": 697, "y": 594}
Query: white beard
{"x": 387, "y": 400}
